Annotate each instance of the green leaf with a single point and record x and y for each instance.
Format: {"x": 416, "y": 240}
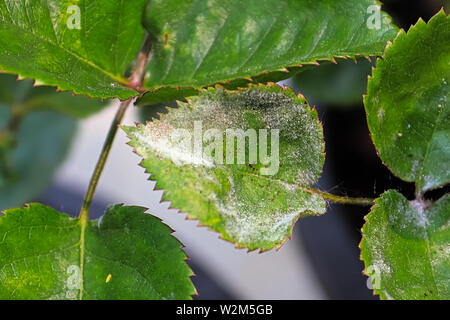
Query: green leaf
{"x": 39, "y": 146}
{"x": 83, "y": 46}
{"x": 22, "y": 95}
{"x": 341, "y": 84}
{"x": 407, "y": 104}
{"x": 198, "y": 43}
{"x": 252, "y": 203}
{"x": 125, "y": 255}
{"x": 405, "y": 247}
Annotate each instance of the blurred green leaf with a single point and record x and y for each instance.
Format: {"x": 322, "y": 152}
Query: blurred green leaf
{"x": 22, "y": 94}
{"x": 33, "y": 141}
{"x": 42, "y": 141}
{"x": 342, "y": 84}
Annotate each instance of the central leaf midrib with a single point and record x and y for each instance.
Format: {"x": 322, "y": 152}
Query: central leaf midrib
{"x": 433, "y": 273}
{"x": 83, "y": 225}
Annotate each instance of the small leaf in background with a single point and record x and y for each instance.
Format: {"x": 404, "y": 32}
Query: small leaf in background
{"x": 36, "y": 141}
{"x": 22, "y": 94}
{"x": 154, "y": 111}
{"x": 252, "y": 191}
{"x": 407, "y": 104}
{"x": 126, "y": 255}
{"x": 7, "y": 143}
{"x": 40, "y": 145}
{"x": 84, "y": 46}
{"x": 341, "y": 84}
{"x": 199, "y": 43}
{"x": 405, "y": 248}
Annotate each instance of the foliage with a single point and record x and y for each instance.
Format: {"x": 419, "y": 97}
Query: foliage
{"x": 409, "y": 119}
{"x": 47, "y": 255}
{"x": 220, "y": 59}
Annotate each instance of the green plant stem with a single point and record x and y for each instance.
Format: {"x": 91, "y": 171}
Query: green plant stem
{"x": 84, "y": 213}
{"x": 343, "y": 199}
{"x": 135, "y": 80}
{"x": 329, "y": 196}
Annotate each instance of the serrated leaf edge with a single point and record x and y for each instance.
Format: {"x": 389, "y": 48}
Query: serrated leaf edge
{"x": 164, "y": 200}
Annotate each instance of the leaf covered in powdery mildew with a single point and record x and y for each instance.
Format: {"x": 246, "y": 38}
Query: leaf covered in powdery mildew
{"x": 407, "y": 104}
{"x": 405, "y": 247}
{"x": 251, "y": 189}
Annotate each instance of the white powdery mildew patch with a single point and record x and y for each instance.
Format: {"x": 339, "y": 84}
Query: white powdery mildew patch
{"x": 297, "y": 125}
{"x": 247, "y": 226}
{"x": 252, "y": 228}
{"x": 421, "y": 219}
{"x": 157, "y": 139}
{"x": 407, "y": 215}
{"x": 430, "y": 182}
{"x": 305, "y": 177}
{"x": 446, "y": 250}
{"x": 292, "y": 120}
{"x": 384, "y": 268}
{"x": 214, "y": 115}
{"x": 221, "y": 110}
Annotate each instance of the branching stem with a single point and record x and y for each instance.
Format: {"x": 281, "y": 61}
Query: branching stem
{"x": 134, "y": 81}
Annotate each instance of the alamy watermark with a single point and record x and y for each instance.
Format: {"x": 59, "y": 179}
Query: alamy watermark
{"x": 73, "y": 281}
{"x": 207, "y": 148}
{"x": 74, "y": 20}
{"x": 375, "y": 21}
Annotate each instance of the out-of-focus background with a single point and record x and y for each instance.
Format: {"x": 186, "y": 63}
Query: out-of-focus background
{"x": 322, "y": 259}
